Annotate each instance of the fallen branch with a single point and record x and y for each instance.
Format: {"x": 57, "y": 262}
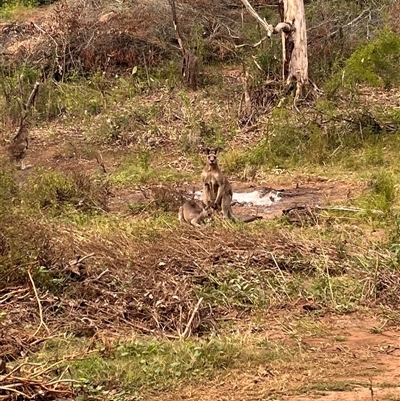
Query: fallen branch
{"x": 42, "y": 323}
{"x": 10, "y": 294}
{"x": 30, "y": 388}
{"x": 349, "y": 209}
{"x": 339, "y": 208}
{"x": 189, "y": 324}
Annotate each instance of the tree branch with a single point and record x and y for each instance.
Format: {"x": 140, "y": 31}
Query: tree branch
{"x": 282, "y": 26}
{"x": 176, "y": 27}
{"x": 32, "y": 96}
{"x": 268, "y": 27}
{"x": 350, "y": 23}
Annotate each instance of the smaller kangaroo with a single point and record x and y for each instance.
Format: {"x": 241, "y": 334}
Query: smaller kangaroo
{"x": 20, "y": 144}
{"x": 193, "y": 213}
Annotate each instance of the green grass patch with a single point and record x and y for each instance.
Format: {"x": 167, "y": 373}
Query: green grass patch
{"x": 332, "y": 386}
{"x": 142, "y": 169}
{"x": 382, "y": 192}
{"x": 156, "y": 364}
{"x": 343, "y": 293}
{"x": 148, "y": 364}
{"x": 16, "y": 9}
{"x": 232, "y": 288}
{"x": 60, "y": 194}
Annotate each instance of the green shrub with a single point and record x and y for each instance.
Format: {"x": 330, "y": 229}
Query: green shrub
{"x": 13, "y": 3}
{"x": 16, "y": 84}
{"x": 382, "y": 192}
{"x": 141, "y": 169}
{"x": 10, "y": 9}
{"x": 56, "y": 193}
{"x": 374, "y": 64}
{"x": 8, "y": 189}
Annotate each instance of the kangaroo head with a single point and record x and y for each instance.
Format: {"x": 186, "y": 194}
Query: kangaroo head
{"x": 212, "y": 156}
{"x": 208, "y": 211}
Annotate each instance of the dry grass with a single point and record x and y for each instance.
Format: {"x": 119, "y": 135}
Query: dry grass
{"x": 113, "y": 37}
{"x": 147, "y": 276}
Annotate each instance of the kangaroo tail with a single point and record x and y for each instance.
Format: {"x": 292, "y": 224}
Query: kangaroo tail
{"x": 249, "y": 219}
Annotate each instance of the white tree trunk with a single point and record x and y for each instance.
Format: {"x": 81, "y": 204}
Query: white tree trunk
{"x": 294, "y": 40}
{"x": 296, "y": 43}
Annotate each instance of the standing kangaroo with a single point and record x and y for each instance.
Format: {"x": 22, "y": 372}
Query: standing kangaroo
{"x": 19, "y": 144}
{"x": 217, "y": 191}
{"x": 193, "y": 213}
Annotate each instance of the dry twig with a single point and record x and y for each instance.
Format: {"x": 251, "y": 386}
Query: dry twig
{"x": 42, "y": 323}
{"x": 189, "y": 323}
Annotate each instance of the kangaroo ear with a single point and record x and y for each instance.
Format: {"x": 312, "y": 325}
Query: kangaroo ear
{"x": 207, "y": 151}
{"x": 217, "y": 150}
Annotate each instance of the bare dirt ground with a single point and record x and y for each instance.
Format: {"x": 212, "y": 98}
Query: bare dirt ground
{"x": 339, "y": 358}
{"x": 320, "y": 192}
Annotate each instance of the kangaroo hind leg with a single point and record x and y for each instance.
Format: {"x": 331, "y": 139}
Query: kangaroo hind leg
{"x": 194, "y": 222}
{"x": 227, "y": 208}
{"x": 180, "y": 215}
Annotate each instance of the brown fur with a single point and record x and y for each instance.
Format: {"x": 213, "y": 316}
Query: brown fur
{"x": 217, "y": 191}
{"x": 19, "y": 145}
{"x": 193, "y": 213}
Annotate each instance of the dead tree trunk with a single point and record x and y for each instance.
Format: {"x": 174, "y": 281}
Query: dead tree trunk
{"x": 294, "y": 40}
{"x": 189, "y": 69}
{"x": 296, "y": 57}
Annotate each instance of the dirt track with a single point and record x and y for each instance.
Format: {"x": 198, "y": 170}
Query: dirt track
{"x": 351, "y": 361}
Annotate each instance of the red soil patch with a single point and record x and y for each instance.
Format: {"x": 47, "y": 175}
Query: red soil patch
{"x": 359, "y": 359}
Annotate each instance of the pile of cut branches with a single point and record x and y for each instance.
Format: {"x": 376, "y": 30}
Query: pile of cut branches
{"x": 140, "y": 283}
{"x": 29, "y": 381}
{"x": 89, "y": 36}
